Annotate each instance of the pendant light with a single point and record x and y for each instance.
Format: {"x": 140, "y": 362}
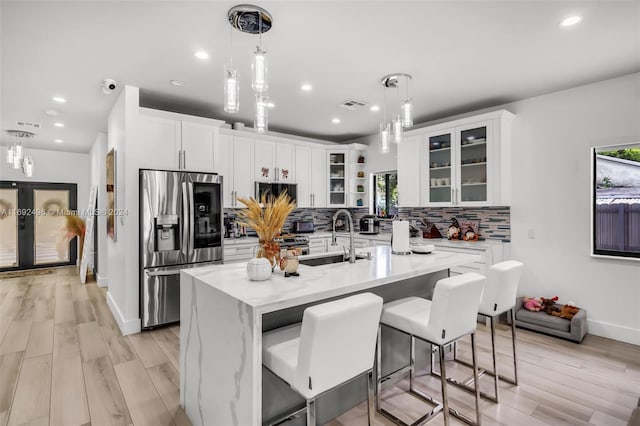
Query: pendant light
{"x": 253, "y": 20}
{"x": 231, "y": 90}
{"x": 231, "y": 84}
{"x": 16, "y": 155}
{"x": 406, "y": 109}
{"x": 261, "y": 117}
{"x": 385, "y": 127}
{"x": 403, "y": 118}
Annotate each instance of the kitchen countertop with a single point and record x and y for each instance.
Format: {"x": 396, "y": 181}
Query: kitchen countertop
{"x": 322, "y": 282}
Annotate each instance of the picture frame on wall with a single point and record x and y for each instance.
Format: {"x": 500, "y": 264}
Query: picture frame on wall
{"x": 111, "y": 193}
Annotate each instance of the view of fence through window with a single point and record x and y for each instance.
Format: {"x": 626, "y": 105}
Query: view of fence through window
{"x": 617, "y": 201}
{"x": 385, "y": 190}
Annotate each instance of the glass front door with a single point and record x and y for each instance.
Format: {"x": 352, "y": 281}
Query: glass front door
{"x": 32, "y": 225}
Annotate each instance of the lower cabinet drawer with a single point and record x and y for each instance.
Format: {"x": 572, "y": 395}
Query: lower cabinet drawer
{"x": 238, "y": 253}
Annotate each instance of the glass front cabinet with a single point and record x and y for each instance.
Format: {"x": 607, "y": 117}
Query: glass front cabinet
{"x": 466, "y": 162}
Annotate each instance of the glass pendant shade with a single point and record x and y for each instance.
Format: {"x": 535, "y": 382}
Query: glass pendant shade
{"x": 396, "y": 130}
{"x": 9, "y": 157}
{"x": 407, "y": 113}
{"x": 261, "y": 119}
{"x": 17, "y": 151}
{"x": 259, "y": 71}
{"x": 384, "y": 138}
{"x": 27, "y": 166}
{"x": 231, "y": 90}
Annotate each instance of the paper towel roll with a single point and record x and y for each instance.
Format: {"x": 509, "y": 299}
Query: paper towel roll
{"x": 400, "y": 237}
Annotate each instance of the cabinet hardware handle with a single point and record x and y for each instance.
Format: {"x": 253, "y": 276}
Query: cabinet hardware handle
{"x": 184, "y": 159}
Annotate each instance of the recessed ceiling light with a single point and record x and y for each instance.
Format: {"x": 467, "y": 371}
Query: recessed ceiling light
{"x": 571, "y": 20}
{"x": 177, "y": 82}
{"x": 58, "y": 141}
{"x": 59, "y": 99}
{"x": 335, "y": 120}
{"x": 306, "y": 87}
{"x": 58, "y": 124}
{"x": 201, "y": 54}
{"x": 374, "y": 108}
{"x": 271, "y": 105}
{"x": 51, "y": 112}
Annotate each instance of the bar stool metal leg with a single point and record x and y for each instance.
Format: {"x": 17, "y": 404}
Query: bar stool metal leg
{"x": 378, "y": 363}
{"x": 370, "y": 397}
{"x": 443, "y": 381}
{"x": 493, "y": 352}
{"x": 412, "y": 363}
{"x": 311, "y": 412}
{"x": 513, "y": 339}
{"x": 475, "y": 376}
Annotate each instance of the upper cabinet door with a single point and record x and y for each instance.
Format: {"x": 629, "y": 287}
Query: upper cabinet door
{"x": 408, "y": 170}
{"x": 224, "y": 167}
{"x": 243, "y": 181}
{"x": 285, "y": 159}
{"x": 439, "y": 177}
{"x": 318, "y": 177}
{"x": 474, "y": 164}
{"x": 264, "y": 164}
{"x": 197, "y": 144}
{"x": 161, "y": 142}
{"x": 304, "y": 176}
{"x": 337, "y": 181}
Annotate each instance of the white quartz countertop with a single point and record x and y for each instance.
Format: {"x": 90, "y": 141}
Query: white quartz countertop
{"x": 321, "y": 282}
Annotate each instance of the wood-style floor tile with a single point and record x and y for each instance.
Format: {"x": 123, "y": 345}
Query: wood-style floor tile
{"x": 32, "y": 395}
{"x": 16, "y": 337}
{"x": 68, "y": 394}
{"x": 148, "y": 350}
{"x": 91, "y": 341}
{"x": 106, "y": 402}
{"x": 9, "y": 371}
{"x": 40, "y": 339}
{"x": 144, "y": 402}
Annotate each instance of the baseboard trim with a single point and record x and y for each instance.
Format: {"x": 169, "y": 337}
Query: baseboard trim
{"x": 101, "y": 281}
{"x": 614, "y": 331}
{"x": 126, "y": 326}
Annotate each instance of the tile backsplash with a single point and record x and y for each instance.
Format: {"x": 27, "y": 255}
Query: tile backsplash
{"x": 495, "y": 222}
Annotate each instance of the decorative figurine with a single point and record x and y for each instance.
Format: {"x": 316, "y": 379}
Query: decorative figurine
{"x": 453, "y": 233}
{"x": 265, "y": 172}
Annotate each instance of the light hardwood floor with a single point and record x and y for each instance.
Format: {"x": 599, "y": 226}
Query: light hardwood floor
{"x": 64, "y": 362}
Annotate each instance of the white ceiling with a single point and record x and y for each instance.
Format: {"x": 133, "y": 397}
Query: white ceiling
{"x": 463, "y": 55}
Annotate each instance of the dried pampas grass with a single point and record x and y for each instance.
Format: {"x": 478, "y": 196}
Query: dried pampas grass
{"x": 266, "y": 217}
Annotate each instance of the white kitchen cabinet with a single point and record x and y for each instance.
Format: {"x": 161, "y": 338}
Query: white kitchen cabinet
{"x": 235, "y": 164}
{"x": 173, "y": 143}
{"x": 337, "y": 177}
{"x": 274, "y": 161}
{"x": 197, "y": 147}
{"x": 409, "y": 172}
{"x": 317, "y": 245}
{"x": 159, "y": 138}
{"x": 467, "y": 162}
{"x": 238, "y": 252}
{"x": 358, "y": 183}
{"x": 311, "y": 169}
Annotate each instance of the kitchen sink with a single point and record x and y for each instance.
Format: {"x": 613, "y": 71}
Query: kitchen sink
{"x": 329, "y": 259}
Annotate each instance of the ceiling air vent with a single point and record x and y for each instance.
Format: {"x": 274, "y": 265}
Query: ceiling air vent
{"x": 20, "y": 134}
{"x": 26, "y": 124}
{"x": 352, "y": 104}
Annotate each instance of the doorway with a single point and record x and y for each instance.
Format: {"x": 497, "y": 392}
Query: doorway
{"x": 32, "y": 220}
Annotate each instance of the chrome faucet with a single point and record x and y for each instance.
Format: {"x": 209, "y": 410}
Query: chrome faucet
{"x": 352, "y": 252}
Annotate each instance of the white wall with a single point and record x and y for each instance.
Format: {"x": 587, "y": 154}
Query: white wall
{"x": 97, "y": 157}
{"x": 54, "y": 166}
{"x": 551, "y": 181}
{"x": 552, "y": 136}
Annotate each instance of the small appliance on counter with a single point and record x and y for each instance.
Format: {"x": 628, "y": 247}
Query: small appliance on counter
{"x": 369, "y": 224}
{"x": 232, "y": 229}
{"x": 302, "y": 227}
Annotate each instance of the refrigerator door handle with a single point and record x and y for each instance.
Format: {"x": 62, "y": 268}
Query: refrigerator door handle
{"x": 185, "y": 220}
{"x": 192, "y": 214}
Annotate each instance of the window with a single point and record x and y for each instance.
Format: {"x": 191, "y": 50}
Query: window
{"x": 385, "y": 194}
{"x": 616, "y": 201}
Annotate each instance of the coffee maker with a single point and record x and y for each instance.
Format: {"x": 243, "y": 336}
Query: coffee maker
{"x": 369, "y": 224}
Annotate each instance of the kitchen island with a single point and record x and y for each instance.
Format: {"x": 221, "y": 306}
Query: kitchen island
{"x": 223, "y": 316}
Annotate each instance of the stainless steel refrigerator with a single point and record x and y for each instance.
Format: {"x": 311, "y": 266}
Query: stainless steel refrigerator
{"x": 180, "y": 227}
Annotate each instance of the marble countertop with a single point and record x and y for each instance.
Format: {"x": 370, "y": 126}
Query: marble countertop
{"x": 321, "y": 282}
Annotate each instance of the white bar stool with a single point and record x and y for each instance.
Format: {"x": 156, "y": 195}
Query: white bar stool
{"x": 449, "y": 316}
{"x": 334, "y": 344}
{"x": 499, "y": 297}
